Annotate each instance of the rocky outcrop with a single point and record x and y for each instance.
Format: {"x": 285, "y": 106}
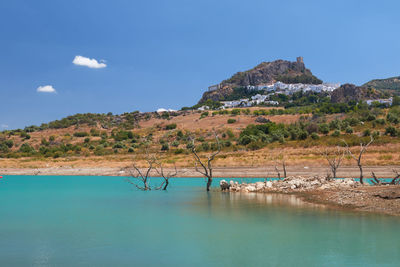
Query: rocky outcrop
{"x": 290, "y": 184}
{"x": 264, "y": 73}
{"x": 267, "y": 72}
{"x": 351, "y": 92}
{"x": 217, "y": 95}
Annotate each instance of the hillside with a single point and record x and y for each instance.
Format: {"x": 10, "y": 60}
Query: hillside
{"x": 389, "y": 85}
{"x": 249, "y": 137}
{"x": 265, "y": 73}
{"x": 351, "y": 92}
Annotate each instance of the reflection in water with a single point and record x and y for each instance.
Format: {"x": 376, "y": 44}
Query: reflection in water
{"x": 269, "y": 199}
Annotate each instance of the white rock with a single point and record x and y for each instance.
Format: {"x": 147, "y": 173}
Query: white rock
{"x": 251, "y": 188}
{"x": 260, "y": 185}
{"x": 269, "y": 184}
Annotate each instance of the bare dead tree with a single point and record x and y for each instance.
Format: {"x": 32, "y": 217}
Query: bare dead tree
{"x": 166, "y": 177}
{"x": 282, "y": 162}
{"x": 363, "y": 148}
{"x": 206, "y": 167}
{"x": 278, "y": 172}
{"x": 395, "y": 180}
{"x": 140, "y": 176}
{"x": 334, "y": 158}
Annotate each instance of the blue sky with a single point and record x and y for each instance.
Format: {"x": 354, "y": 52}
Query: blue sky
{"x": 165, "y": 53}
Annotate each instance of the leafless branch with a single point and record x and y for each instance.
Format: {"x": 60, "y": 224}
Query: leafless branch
{"x": 363, "y": 148}
{"x": 334, "y": 158}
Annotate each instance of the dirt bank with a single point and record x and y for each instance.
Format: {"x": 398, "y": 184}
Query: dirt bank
{"x": 223, "y": 172}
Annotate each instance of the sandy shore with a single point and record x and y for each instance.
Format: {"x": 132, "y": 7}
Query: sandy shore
{"x": 223, "y": 172}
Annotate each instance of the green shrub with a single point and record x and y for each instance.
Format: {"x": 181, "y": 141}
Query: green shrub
{"x": 230, "y": 133}
{"x": 165, "y": 147}
{"x": 230, "y": 121}
{"x": 303, "y": 135}
{"x": 349, "y": 130}
{"x": 205, "y": 146}
{"x": 175, "y": 143}
{"x": 390, "y": 130}
{"x": 26, "y": 148}
{"x": 9, "y": 143}
{"x": 227, "y": 143}
{"x": 314, "y": 136}
{"x": 94, "y": 132}
{"x": 170, "y": 126}
{"x": 235, "y": 112}
{"x": 204, "y": 114}
{"x": 118, "y": 145}
{"x": 336, "y": 133}
{"x": 179, "y": 151}
{"x": 4, "y": 148}
{"x": 324, "y": 128}
{"x": 81, "y": 134}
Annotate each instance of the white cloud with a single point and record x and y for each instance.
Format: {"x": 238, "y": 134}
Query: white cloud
{"x": 4, "y": 126}
{"x": 46, "y": 89}
{"x": 89, "y": 62}
{"x": 165, "y": 110}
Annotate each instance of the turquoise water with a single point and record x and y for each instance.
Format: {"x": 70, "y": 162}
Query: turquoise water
{"x": 104, "y": 221}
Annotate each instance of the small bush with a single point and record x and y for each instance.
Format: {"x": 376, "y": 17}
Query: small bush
{"x": 178, "y": 151}
{"x": 170, "y": 126}
{"x": 336, "y": 133}
{"x": 349, "y": 130}
{"x": 81, "y": 134}
{"x": 315, "y": 136}
{"x": 391, "y": 131}
{"x": 165, "y": 147}
{"x": 230, "y": 121}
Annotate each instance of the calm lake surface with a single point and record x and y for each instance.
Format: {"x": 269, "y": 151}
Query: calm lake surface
{"x": 104, "y": 221}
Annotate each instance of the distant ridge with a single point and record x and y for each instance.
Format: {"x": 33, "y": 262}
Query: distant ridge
{"x": 389, "y": 85}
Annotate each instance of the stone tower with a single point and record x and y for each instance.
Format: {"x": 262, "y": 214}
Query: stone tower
{"x": 300, "y": 60}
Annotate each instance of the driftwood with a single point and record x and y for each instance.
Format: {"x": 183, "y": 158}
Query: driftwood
{"x": 395, "y": 180}
{"x": 206, "y": 167}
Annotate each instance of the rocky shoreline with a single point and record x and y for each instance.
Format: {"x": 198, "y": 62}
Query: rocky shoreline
{"x": 343, "y": 193}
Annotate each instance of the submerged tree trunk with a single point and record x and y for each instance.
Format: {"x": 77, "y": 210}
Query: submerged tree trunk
{"x": 166, "y": 184}
{"x": 209, "y": 181}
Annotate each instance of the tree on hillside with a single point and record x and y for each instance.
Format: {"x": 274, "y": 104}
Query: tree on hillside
{"x": 205, "y": 166}
{"x": 363, "y": 148}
